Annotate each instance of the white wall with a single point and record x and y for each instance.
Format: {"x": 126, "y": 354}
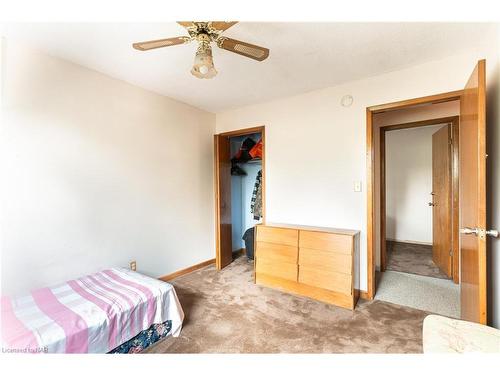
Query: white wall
{"x": 236, "y": 213}
{"x": 241, "y": 200}
{"x": 315, "y": 148}
{"x": 408, "y": 156}
{"x": 96, "y": 172}
{"x": 236, "y": 198}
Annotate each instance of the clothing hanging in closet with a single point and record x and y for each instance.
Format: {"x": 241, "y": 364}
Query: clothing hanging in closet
{"x": 256, "y": 205}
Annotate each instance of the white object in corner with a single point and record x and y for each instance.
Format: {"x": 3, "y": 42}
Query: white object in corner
{"x": 445, "y": 335}
{"x": 346, "y": 101}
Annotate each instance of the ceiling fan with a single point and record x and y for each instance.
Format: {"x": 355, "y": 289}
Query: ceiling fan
{"x": 205, "y": 33}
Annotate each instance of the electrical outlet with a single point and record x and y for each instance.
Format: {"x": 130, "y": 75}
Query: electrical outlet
{"x": 133, "y": 265}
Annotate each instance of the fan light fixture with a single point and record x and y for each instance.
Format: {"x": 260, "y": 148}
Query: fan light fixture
{"x": 205, "y": 33}
{"x": 203, "y": 62}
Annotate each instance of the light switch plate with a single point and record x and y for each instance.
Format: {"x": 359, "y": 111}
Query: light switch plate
{"x": 357, "y": 186}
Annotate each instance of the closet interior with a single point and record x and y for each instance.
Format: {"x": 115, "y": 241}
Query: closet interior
{"x": 246, "y": 190}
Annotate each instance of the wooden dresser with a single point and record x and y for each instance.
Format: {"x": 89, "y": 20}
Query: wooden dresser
{"x": 320, "y": 263}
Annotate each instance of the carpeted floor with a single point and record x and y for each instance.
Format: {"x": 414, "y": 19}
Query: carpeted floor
{"x": 412, "y": 258}
{"x": 227, "y": 313}
{"x": 438, "y": 296}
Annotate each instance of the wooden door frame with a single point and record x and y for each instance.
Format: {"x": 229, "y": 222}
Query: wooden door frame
{"x": 372, "y": 172}
{"x": 454, "y": 121}
{"x": 236, "y": 133}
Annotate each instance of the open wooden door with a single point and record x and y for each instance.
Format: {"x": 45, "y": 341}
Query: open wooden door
{"x": 223, "y": 230}
{"x": 441, "y": 200}
{"x": 473, "y": 197}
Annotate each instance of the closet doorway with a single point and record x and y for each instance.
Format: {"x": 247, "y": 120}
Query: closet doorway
{"x": 239, "y": 158}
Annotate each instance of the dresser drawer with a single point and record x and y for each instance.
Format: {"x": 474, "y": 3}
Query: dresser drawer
{"x": 276, "y": 252}
{"x": 325, "y": 260}
{"x": 282, "y": 270}
{"x": 283, "y": 236}
{"x": 326, "y": 241}
{"x": 335, "y": 281}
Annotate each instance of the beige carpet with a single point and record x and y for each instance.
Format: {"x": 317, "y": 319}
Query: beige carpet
{"x": 412, "y": 258}
{"x": 227, "y": 313}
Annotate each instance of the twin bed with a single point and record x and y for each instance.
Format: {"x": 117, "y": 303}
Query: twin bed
{"x": 112, "y": 311}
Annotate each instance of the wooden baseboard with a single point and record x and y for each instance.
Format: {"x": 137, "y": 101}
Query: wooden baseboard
{"x": 364, "y": 295}
{"x": 187, "y": 270}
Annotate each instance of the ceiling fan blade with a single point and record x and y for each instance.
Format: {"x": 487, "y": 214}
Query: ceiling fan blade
{"x": 152, "y": 44}
{"x": 222, "y": 25}
{"x": 186, "y": 23}
{"x": 243, "y": 48}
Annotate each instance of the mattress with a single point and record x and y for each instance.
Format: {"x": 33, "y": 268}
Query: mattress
{"x": 93, "y": 314}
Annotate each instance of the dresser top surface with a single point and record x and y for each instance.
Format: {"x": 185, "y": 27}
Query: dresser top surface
{"x": 347, "y": 232}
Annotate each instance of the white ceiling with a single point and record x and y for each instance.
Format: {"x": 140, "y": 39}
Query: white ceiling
{"x": 303, "y": 56}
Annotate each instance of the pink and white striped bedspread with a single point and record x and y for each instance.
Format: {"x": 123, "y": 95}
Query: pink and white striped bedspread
{"x": 93, "y": 314}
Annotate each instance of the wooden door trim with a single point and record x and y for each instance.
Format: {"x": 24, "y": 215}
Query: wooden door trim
{"x": 455, "y": 221}
{"x": 246, "y": 131}
{"x": 431, "y": 99}
{"x": 217, "y": 203}
{"x": 236, "y": 133}
{"x": 383, "y": 221}
{"x": 417, "y": 124}
{"x": 372, "y": 172}
{"x": 370, "y": 204}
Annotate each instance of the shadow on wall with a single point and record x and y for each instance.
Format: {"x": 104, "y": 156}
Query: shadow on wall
{"x": 390, "y": 227}
{"x": 395, "y": 202}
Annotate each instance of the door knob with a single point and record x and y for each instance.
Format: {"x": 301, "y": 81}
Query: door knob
{"x": 468, "y": 230}
{"x": 492, "y": 233}
{"x": 431, "y": 204}
{"x": 481, "y": 232}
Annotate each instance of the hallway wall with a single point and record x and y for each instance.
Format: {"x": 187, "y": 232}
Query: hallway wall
{"x": 408, "y": 172}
